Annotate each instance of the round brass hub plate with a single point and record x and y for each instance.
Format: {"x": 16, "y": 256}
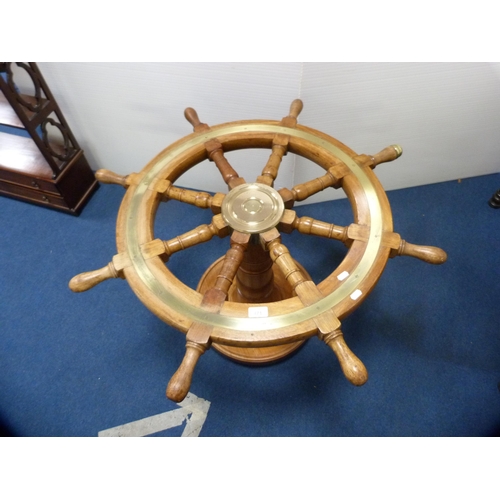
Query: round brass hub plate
{"x": 252, "y": 208}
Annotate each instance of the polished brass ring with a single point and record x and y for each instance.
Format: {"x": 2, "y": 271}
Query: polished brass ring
{"x": 348, "y": 285}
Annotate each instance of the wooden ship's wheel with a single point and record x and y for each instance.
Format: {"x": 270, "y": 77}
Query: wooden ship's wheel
{"x": 256, "y": 304}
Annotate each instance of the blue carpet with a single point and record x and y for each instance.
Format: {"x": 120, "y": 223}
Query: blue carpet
{"x": 76, "y": 364}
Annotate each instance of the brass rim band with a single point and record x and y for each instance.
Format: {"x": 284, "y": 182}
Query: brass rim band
{"x": 348, "y": 287}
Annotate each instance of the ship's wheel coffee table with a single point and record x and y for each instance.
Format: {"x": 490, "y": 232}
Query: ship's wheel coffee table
{"x": 256, "y": 304}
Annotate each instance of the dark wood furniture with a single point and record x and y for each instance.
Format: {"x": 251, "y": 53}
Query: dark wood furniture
{"x": 40, "y": 159}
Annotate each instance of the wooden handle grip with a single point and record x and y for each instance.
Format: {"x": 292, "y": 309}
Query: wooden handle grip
{"x": 389, "y": 153}
{"x": 431, "y": 255}
{"x": 296, "y": 108}
{"x": 85, "y": 281}
{"x": 108, "y": 177}
{"x": 192, "y": 117}
{"x": 354, "y": 370}
{"x": 179, "y": 384}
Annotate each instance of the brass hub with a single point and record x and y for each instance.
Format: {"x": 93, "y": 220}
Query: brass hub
{"x": 252, "y": 208}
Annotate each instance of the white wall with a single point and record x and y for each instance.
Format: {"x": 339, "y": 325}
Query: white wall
{"x": 445, "y": 115}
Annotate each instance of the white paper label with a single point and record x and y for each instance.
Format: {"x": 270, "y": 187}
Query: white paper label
{"x": 343, "y": 276}
{"x": 356, "y": 294}
{"x": 258, "y": 312}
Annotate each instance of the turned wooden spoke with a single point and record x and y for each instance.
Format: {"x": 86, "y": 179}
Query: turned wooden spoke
{"x": 280, "y": 146}
{"x": 307, "y": 225}
{"x": 429, "y": 254}
{"x": 347, "y": 234}
{"x": 303, "y": 191}
{"x": 166, "y": 189}
{"x": 216, "y": 154}
{"x": 197, "y": 198}
{"x": 200, "y": 234}
{"x": 270, "y": 171}
{"x": 164, "y": 249}
{"x": 198, "y": 335}
{"x": 108, "y": 177}
{"x": 280, "y": 255}
{"x": 334, "y": 175}
{"x": 353, "y": 368}
{"x": 232, "y": 261}
{"x": 215, "y": 151}
{"x": 85, "y": 281}
{"x": 398, "y": 246}
{"x": 192, "y": 117}
{"x": 178, "y": 387}
{"x": 390, "y": 153}
{"x": 327, "y": 323}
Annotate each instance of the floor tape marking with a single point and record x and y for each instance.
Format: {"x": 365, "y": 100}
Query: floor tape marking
{"x": 193, "y": 411}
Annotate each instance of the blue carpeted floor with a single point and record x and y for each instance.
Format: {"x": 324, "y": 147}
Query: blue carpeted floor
{"x": 77, "y": 364}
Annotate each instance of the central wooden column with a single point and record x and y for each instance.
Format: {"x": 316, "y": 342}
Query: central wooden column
{"x": 255, "y": 281}
{"x": 258, "y": 281}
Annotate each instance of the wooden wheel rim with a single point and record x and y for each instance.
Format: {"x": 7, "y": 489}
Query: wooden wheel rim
{"x": 288, "y": 320}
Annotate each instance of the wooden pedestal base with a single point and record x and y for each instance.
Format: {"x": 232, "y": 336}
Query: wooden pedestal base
{"x": 281, "y": 290}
